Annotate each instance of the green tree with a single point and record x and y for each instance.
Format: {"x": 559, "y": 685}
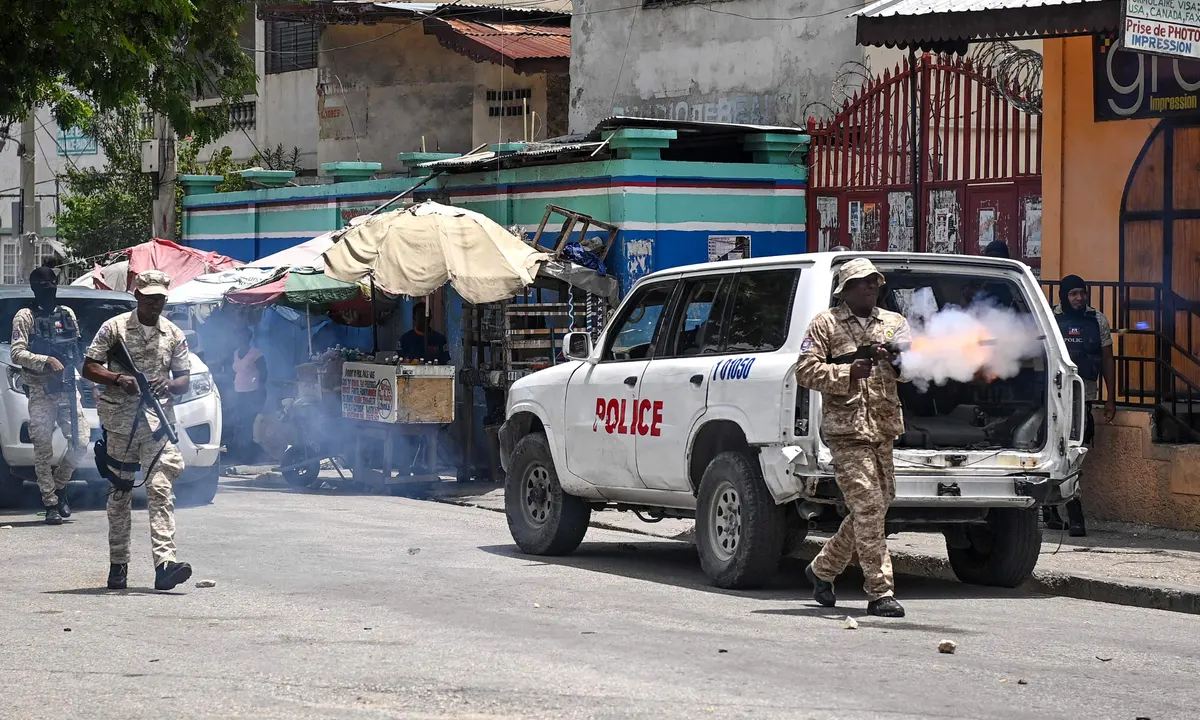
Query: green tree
{"x": 108, "y": 209}
{"x": 82, "y": 57}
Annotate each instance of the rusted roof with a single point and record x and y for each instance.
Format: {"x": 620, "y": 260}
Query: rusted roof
{"x": 526, "y": 47}
{"x": 948, "y": 25}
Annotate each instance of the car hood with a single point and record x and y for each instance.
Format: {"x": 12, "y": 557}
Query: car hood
{"x": 198, "y": 365}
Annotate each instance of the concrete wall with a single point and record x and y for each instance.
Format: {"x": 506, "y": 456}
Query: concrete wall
{"x": 492, "y": 130}
{"x": 377, "y": 99}
{"x": 696, "y": 61}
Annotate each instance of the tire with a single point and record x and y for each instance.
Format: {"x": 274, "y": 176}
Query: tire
{"x": 298, "y": 469}
{"x": 749, "y": 555}
{"x": 202, "y": 490}
{"x": 1002, "y": 553}
{"x": 11, "y": 488}
{"x": 542, "y": 518}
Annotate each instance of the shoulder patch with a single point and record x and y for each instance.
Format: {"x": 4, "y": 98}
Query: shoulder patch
{"x": 806, "y": 345}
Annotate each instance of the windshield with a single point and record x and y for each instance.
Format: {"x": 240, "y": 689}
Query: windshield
{"x": 91, "y": 312}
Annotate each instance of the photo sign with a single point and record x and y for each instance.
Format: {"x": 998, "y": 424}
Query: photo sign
{"x": 1163, "y": 27}
{"x": 1130, "y": 85}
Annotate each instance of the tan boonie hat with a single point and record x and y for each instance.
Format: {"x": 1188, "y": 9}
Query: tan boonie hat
{"x": 153, "y": 282}
{"x": 854, "y": 269}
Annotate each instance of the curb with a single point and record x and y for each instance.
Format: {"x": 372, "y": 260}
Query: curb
{"x": 1172, "y": 598}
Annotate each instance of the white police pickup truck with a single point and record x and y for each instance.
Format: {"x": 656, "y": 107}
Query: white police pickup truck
{"x": 197, "y": 413}
{"x": 688, "y": 406}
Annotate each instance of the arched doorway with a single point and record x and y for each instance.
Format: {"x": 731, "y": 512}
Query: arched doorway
{"x": 1160, "y": 244}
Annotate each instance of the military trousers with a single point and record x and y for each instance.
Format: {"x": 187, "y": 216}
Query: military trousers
{"x": 164, "y": 464}
{"x": 47, "y": 411}
{"x": 867, "y": 479}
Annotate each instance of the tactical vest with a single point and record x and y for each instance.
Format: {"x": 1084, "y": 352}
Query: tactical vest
{"x": 1081, "y": 331}
{"x": 55, "y": 334}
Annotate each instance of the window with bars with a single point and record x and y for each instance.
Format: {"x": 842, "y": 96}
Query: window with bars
{"x": 291, "y": 46}
{"x": 10, "y": 261}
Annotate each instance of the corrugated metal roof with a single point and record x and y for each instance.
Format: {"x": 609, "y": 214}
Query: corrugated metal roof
{"x": 516, "y": 41}
{"x": 949, "y": 25}
{"x": 887, "y": 8}
{"x": 525, "y": 6}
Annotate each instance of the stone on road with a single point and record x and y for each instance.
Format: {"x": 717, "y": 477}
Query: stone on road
{"x": 321, "y": 612}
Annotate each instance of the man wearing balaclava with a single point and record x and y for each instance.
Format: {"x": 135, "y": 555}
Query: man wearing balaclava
{"x": 45, "y": 344}
{"x": 1089, "y": 341}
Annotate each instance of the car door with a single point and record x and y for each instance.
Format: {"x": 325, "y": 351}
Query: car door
{"x": 674, "y": 387}
{"x": 603, "y": 395}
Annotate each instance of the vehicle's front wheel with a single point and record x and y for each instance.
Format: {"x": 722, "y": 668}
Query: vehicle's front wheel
{"x": 739, "y": 528}
{"x": 11, "y": 488}
{"x": 298, "y": 467}
{"x": 202, "y": 490}
{"x": 1001, "y": 553}
{"x": 542, "y": 518}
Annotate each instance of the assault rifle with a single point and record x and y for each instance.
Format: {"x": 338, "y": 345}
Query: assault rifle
{"x": 64, "y": 384}
{"x": 870, "y": 352}
{"x": 149, "y": 399}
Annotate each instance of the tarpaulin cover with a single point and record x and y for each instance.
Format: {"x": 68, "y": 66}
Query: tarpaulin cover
{"x": 300, "y": 289}
{"x": 305, "y": 255}
{"x": 183, "y": 264}
{"x": 211, "y": 288}
{"x": 416, "y": 250}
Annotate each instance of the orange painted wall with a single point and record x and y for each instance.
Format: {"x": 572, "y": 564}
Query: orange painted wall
{"x": 1085, "y": 166}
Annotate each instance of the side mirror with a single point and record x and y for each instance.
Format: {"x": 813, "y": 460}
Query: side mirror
{"x": 577, "y": 346}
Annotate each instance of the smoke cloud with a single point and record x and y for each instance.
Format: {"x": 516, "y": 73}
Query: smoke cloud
{"x": 961, "y": 344}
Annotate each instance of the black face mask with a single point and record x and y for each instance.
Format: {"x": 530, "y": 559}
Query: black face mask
{"x": 45, "y": 295}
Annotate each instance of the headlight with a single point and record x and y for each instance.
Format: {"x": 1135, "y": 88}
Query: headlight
{"x": 14, "y": 380}
{"x": 200, "y": 385}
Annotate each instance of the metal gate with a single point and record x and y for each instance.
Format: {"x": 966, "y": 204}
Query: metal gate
{"x": 980, "y": 176}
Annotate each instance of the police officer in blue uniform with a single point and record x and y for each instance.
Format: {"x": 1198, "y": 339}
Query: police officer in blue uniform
{"x": 1088, "y": 335}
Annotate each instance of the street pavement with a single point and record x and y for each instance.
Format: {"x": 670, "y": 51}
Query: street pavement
{"x": 332, "y": 605}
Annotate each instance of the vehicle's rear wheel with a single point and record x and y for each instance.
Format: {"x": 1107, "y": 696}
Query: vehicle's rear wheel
{"x": 1001, "y": 553}
{"x": 542, "y": 518}
{"x": 298, "y": 467}
{"x": 739, "y": 528}
{"x": 11, "y": 488}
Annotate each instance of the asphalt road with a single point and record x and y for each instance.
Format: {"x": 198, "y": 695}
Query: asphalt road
{"x": 353, "y": 606}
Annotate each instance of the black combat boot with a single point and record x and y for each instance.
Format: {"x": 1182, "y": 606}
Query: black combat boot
{"x": 885, "y": 607}
{"x": 64, "y": 508}
{"x": 52, "y": 516}
{"x": 1051, "y": 519}
{"x": 118, "y": 576}
{"x": 1076, "y": 526}
{"x": 822, "y": 590}
{"x": 170, "y": 574}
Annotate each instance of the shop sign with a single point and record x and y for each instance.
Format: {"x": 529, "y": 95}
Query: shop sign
{"x": 1132, "y": 85}
{"x": 1164, "y": 27}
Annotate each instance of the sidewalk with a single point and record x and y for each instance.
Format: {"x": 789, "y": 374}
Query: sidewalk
{"x": 1125, "y": 565}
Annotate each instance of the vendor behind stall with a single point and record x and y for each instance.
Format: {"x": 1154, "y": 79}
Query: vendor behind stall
{"x": 423, "y": 342}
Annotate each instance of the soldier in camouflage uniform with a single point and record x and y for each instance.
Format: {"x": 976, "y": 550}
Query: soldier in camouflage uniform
{"x": 36, "y": 330}
{"x": 861, "y": 419}
{"x": 159, "y": 349}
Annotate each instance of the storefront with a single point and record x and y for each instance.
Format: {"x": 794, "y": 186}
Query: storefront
{"x": 1120, "y": 163}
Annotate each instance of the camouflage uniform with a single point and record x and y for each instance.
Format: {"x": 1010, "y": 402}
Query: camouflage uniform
{"x": 861, "y": 419}
{"x": 46, "y": 409}
{"x": 129, "y": 428}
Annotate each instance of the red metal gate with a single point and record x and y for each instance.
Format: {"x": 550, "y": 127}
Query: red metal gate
{"x": 981, "y": 174}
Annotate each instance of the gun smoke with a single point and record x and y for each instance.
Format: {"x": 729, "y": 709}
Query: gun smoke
{"x": 962, "y": 344}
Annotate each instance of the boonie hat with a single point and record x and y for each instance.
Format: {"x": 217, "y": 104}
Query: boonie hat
{"x": 854, "y": 269}
{"x": 153, "y": 282}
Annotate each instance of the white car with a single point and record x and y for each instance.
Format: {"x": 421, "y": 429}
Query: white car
{"x": 197, "y": 413}
{"x": 688, "y": 406}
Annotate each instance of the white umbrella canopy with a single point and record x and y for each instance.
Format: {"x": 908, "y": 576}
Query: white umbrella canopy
{"x": 417, "y": 250}
{"x": 307, "y": 254}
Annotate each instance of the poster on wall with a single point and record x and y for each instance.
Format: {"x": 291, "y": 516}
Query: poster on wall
{"x": 728, "y": 247}
{"x": 900, "y": 222}
{"x": 942, "y": 237}
{"x": 1162, "y": 27}
{"x": 827, "y": 222}
{"x": 1131, "y": 85}
{"x": 1031, "y": 228}
{"x": 987, "y": 227}
{"x": 864, "y": 225}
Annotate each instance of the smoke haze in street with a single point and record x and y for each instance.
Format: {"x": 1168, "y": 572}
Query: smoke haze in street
{"x": 960, "y": 344}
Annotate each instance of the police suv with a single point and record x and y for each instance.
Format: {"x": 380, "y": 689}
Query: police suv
{"x": 688, "y": 407}
{"x": 197, "y": 413}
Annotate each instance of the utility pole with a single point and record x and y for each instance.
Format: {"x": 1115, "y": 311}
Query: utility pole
{"x": 163, "y": 146}
{"x": 28, "y": 220}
